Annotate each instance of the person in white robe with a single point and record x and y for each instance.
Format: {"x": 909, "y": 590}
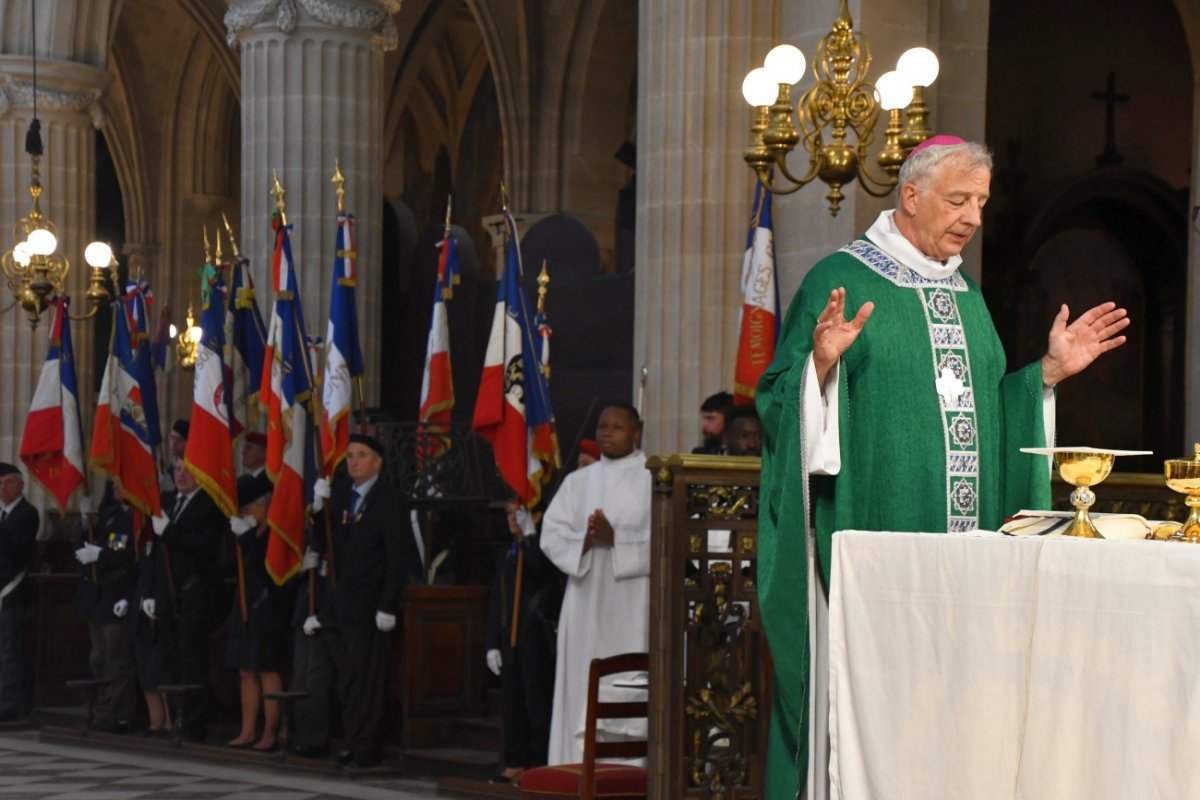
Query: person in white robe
{"x": 597, "y": 531}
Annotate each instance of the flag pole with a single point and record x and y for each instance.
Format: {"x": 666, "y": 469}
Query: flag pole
{"x": 278, "y": 193}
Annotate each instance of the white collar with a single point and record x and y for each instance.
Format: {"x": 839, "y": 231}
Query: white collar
{"x": 634, "y": 459}
{"x": 9, "y": 508}
{"x": 888, "y": 238}
{"x": 361, "y": 489}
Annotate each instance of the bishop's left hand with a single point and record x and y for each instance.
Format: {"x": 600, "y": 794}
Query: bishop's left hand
{"x": 1074, "y": 347}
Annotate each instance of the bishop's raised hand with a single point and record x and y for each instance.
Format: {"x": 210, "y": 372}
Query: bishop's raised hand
{"x": 834, "y": 333}
{"x": 1072, "y": 348}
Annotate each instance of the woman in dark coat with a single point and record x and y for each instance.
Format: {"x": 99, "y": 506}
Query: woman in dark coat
{"x": 258, "y": 622}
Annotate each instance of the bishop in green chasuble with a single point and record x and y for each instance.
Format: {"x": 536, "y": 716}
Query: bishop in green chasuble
{"x": 928, "y": 423}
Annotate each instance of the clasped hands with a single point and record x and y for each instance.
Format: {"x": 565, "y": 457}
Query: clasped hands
{"x": 1071, "y": 348}
{"x": 599, "y": 531}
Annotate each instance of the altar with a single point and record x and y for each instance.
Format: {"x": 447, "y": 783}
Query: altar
{"x": 987, "y": 666}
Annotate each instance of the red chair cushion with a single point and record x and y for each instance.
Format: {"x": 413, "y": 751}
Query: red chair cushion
{"x": 562, "y": 780}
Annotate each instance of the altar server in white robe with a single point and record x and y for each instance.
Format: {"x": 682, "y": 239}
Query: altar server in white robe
{"x": 597, "y": 531}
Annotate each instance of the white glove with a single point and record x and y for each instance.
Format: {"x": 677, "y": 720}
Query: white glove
{"x": 148, "y": 607}
{"x": 385, "y": 622}
{"x": 85, "y": 505}
{"x": 311, "y": 625}
{"x": 160, "y": 523}
{"x": 494, "y": 661}
{"x": 321, "y": 493}
{"x": 240, "y": 525}
{"x": 88, "y": 553}
{"x": 528, "y": 529}
{"x": 311, "y": 560}
{"x": 121, "y": 608}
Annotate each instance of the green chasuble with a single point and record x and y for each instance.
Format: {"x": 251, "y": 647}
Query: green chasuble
{"x": 912, "y": 459}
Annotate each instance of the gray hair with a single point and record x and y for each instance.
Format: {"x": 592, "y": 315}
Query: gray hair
{"x": 919, "y": 168}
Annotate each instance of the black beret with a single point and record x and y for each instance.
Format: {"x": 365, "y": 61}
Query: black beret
{"x": 369, "y": 441}
{"x": 252, "y": 487}
{"x": 181, "y": 427}
{"x": 8, "y": 469}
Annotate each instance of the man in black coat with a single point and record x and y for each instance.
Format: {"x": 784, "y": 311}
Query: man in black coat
{"x": 373, "y": 552}
{"x": 108, "y": 556}
{"x": 18, "y": 546}
{"x": 188, "y": 589}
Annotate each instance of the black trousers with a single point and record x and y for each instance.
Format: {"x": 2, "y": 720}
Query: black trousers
{"x": 312, "y": 672}
{"x": 112, "y": 660}
{"x": 186, "y": 639}
{"x": 12, "y": 669}
{"x": 360, "y": 657}
{"x": 527, "y": 684}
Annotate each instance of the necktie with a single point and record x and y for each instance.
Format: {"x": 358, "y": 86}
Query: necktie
{"x": 179, "y": 501}
{"x": 354, "y": 498}
{"x": 4, "y": 513}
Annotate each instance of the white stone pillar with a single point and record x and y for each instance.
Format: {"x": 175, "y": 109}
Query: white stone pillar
{"x": 68, "y": 96}
{"x": 312, "y": 92}
{"x": 693, "y": 203}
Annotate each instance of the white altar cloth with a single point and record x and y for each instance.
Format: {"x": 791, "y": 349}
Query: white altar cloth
{"x": 1005, "y": 667}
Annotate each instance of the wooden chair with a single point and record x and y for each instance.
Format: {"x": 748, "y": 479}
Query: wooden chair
{"x": 591, "y": 779}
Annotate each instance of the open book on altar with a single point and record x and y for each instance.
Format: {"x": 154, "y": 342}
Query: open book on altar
{"x": 1045, "y": 523}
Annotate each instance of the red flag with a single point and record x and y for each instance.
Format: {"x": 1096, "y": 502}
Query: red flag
{"x": 759, "y": 327}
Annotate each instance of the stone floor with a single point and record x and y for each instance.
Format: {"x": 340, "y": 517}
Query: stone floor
{"x": 32, "y": 770}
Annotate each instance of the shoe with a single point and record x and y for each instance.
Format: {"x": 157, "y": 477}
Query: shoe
{"x": 311, "y": 751}
{"x": 344, "y": 757}
{"x": 239, "y": 745}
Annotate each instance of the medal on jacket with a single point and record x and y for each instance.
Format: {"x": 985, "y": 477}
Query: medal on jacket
{"x": 345, "y": 517}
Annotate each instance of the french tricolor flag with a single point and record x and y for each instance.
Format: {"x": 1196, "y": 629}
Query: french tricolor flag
{"x": 759, "y": 327}
{"x": 209, "y": 453}
{"x": 286, "y": 390}
{"x": 120, "y": 434}
{"x": 437, "y": 382}
{"x": 343, "y": 358}
{"x": 513, "y": 409}
{"x": 52, "y": 445}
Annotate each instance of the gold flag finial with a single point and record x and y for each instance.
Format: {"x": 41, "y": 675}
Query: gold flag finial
{"x": 217, "y": 253}
{"x": 339, "y": 182}
{"x": 278, "y": 193}
{"x": 229, "y": 229}
{"x": 449, "y": 206}
{"x": 543, "y": 284}
{"x": 503, "y": 197}
{"x": 208, "y": 256}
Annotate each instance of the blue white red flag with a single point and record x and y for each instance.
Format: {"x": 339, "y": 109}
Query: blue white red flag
{"x": 437, "y": 381}
{"x": 52, "y": 444}
{"x": 244, "y": 349}
{"x": 343, "y": 358}
{"x": 513, "y": 409}
{"x": 209, "y": 452}
{"x": 141, "y": 302}
{"x": 286, "y": 394}
{"x": 120, "y": 434}
{"x": 758, "y": 330}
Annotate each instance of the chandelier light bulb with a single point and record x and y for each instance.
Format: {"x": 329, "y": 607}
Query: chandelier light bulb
{"x": 893, "y": 90}
{"x": 196, "y": 333}
{"x": 919, "y": 66}
{"x": 759, "y": 88}
{"x": 172, "y": 330}
{"x": 98, "y": 255}
{"x": 42, "y": 242}
{"x": 22, "y": 254}
{"x": 785, "y": 63}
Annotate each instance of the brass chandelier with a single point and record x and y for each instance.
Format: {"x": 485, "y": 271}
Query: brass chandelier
{"x": 837, "y": 114}
{"x": 34, "y": 271}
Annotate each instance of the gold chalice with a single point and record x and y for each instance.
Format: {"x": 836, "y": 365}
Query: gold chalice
{"x": 1183, "y": 476}
{"x": 1083, "y": 469}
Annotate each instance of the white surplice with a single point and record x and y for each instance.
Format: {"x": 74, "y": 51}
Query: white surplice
{"x": 606, "y": 608}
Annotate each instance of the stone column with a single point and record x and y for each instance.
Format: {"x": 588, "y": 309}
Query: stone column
{"x": 312, "y": 92}
{"x": 68, "y": 96}
{"x": 693, "y": 203}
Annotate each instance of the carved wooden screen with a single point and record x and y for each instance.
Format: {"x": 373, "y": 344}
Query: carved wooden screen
{"x": 710, "y": 673}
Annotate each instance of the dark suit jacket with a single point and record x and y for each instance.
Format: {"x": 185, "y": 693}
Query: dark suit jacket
{"x": 373, "y": 554}
{"x": 18, "y": 547}
{"x": 116, "y": 569}
{"x": 193, "y": 547}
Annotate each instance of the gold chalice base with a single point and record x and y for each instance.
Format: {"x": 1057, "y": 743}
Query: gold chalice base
{"x": 1183, "y": 476}
{"x": 1083, "y": 470}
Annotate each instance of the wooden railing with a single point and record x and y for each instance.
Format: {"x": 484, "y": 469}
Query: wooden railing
{"x": 708, "y": 719}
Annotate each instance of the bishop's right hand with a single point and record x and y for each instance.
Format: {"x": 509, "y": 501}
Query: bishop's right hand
{"x": 834, "y": 333}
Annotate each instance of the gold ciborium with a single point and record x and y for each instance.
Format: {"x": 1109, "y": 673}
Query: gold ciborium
{"x": 1083, "y": 469}
{"x": 1183, "y": 476}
